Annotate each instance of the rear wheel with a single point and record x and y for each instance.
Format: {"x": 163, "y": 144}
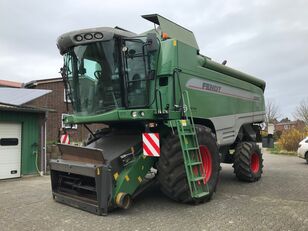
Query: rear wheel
{"x": 171, "y": 170}
{"x": 248, "y": 162}
{"x": 307, "y": 157}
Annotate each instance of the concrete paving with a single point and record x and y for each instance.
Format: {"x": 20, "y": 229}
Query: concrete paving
{"x": 279, "y": 201}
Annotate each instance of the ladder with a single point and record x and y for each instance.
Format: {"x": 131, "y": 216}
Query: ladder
{"x": 190, "y": 147}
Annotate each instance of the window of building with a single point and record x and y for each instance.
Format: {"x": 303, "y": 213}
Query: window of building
{"x": 9, "y": 141}
{"x": 73, "y": 126}
{"x": 66, "y": 95}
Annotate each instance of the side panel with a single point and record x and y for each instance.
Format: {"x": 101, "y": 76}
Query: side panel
{"x": 227, "y": 101}
{"x": 227, "y": 127}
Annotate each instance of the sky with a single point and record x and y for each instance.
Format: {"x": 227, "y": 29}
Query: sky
{"x": 264, "y": 38}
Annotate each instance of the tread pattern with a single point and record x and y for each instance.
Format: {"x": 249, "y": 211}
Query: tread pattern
{"x": 242, "y": 159}
{"x": 171, "y": 170}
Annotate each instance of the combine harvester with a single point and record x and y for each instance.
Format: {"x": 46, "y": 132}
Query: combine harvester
{"x": 173, "y": 116}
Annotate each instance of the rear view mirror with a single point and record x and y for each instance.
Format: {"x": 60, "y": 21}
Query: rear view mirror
{"x": 152, "y": 43}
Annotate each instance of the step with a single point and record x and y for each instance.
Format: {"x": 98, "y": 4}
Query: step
{"x": 189, "y": 133}
{"x": 202, "y": 194}
{"x": 194, "y": 163}
{"x": 191, "y": 149}
{"x": 187, "y": 128}
{"x": 197, "y": 178}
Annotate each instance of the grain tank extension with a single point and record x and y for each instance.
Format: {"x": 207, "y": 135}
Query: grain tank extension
{"x": 173, "y": 116}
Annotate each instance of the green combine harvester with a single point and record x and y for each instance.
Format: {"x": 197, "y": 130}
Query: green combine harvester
{"x": 173, "y": 116}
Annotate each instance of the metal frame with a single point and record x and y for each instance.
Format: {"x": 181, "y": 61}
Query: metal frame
{"x": 103, "y": 180}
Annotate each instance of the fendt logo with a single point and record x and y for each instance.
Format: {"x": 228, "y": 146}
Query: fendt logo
{"x": 221, "y": 89}
{"x": 210, "y": 87}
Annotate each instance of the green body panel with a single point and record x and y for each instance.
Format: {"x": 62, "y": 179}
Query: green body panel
{"x": 212, "y": 104}
{"x": 133, "y": 174}
{"x": 119, "y": 115}
{"x": 168, "y": 59}
{"x": 208, "y": 63}
{"x": 29, "y": 135}
{"x": 205, "y": 104}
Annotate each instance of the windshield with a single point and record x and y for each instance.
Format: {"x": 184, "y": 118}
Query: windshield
{"x": 107, "y": 75}
{"x": 93, "y": 77}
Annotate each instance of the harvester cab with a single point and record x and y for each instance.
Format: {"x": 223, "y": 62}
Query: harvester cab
{"x": 170, "y": 111}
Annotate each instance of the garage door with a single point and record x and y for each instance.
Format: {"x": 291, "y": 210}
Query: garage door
{"x": 10, "y": 150}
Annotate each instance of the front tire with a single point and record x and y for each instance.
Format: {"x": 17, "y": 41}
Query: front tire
{"x": 248, "y": 162}
{"x": 171, "y": 170}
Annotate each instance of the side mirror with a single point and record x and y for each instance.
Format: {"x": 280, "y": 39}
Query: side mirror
{"x": 152, "y": 43}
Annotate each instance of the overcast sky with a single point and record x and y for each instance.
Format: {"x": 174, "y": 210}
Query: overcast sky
{"x": 265, "y": 38}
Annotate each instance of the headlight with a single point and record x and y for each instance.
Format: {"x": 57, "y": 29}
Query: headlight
{"x": 134, "y": 114}
{"x": 141, "y": 113}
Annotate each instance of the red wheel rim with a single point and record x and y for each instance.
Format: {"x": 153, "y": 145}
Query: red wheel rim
{"x": 207, "y": 162}
{"x": 255, "y": 163}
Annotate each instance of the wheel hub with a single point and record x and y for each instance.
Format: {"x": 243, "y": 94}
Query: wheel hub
{"x": 255, "y": 163}
{"x": 207, "y": 162}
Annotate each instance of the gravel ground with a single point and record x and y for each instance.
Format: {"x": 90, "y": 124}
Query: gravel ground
{"x": 279, "y": 201}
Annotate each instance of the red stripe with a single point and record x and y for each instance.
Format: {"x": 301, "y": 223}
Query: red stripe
{"x": 157, "y": 135}
{"x": 62, "y": 139}
{"x": 65, "y": 139}
{"x": 149, "y": 138}
{"x": 146, "y": 149}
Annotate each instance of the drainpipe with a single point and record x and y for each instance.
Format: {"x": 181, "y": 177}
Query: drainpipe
{"x": 42, "y": 150}
{"x": 45, "y": 146}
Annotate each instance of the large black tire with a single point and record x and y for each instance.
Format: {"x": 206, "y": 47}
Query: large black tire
{"x": 248, "y": 162}
{"x": 306, "y": 157}
{"x": 171, "y": 170}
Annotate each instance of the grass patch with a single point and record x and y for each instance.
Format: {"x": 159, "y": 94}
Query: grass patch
{"x": 278, "y": 151}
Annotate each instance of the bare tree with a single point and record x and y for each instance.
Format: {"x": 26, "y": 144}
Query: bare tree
{"x": 272, "y": 111}
{"x": 301, "y": 111}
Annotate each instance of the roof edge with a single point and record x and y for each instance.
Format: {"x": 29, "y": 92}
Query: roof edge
{"x": 42, "y": 81}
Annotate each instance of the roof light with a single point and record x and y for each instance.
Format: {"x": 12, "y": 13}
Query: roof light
{"x": 88, "y": 36}
{"x": 78, "y": 38}
{"x": 98, "y": 35}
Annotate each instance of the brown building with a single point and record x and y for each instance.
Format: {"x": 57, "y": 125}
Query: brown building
{"x": 56, "y": 102}
{"x": 283, "y": 126}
